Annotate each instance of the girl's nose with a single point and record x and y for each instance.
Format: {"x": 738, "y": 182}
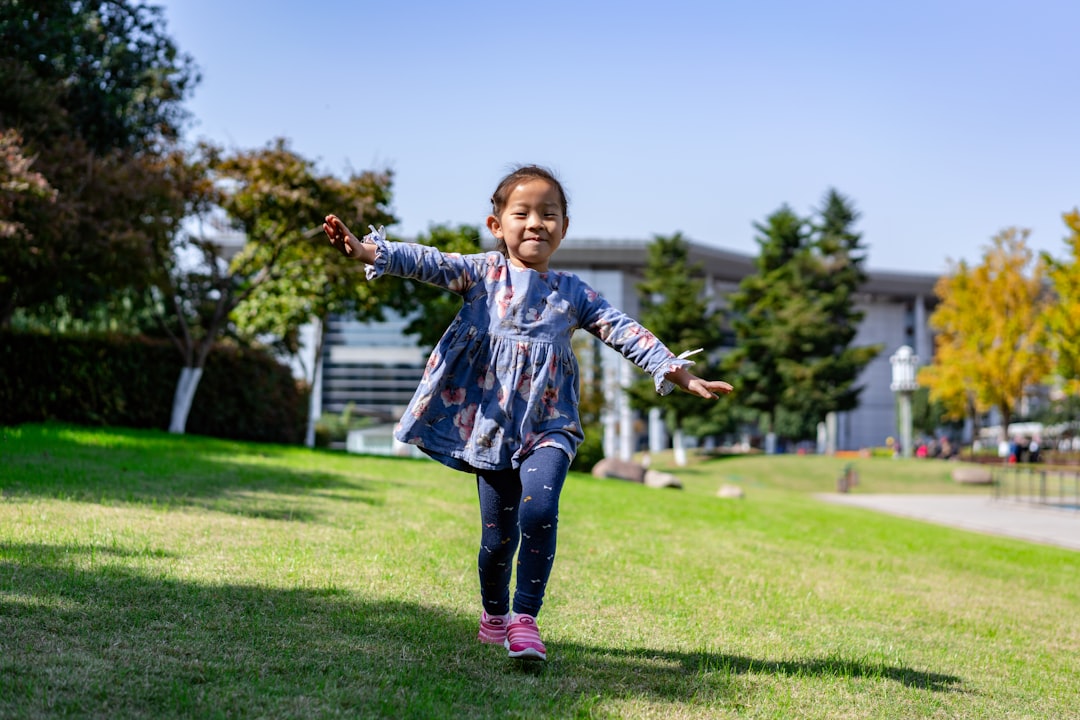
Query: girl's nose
{"x": 536, "y": 221}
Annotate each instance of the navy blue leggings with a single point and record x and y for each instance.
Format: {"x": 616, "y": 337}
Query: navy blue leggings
{"x": 520, "y": 507}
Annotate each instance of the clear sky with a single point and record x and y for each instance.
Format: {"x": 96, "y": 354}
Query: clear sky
{"x": 944, "y": 121}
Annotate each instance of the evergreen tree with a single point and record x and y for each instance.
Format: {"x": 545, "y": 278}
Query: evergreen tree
{"x": 675, "y": 307}
{"x": 767, "y": 312}
{"x": 819, "y": 376}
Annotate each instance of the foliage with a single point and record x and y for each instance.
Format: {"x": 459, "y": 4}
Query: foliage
{"x": 315, "y": 281}
{"x": 335, "y": 427}
{"x": 928, "y": 417}
{"x": 18, "y": 184}
{"x": 95, "y": 90}
{"x": 591, "y": 450}
{"x": 990, "y": 341}
{"x": 819, "y": 375}
{"x": 116, "y": 77}
{"x": 591, "y": 399}
{"x": 126, "y": 381}
{"x": 275, "y": 201}
{"x": 765, "y": 315}
{"x": 676, "y": 308}
{"x": 795, "y": 319}
{"x": 1062, "y": 316}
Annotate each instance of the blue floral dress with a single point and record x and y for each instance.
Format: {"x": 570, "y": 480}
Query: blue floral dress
{"x": 503, "y": 380}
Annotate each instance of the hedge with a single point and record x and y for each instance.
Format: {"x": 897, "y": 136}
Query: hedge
{"x": 244, "y": 394}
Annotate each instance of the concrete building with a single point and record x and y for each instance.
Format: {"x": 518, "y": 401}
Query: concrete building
{"x": 376, "y": 368}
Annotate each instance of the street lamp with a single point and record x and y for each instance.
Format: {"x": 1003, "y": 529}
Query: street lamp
{"x": 904, "y": 364}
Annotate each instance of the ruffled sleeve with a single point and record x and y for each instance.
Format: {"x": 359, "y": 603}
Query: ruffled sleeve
{"x": 632, "y": 340}
{"x": 453, "y": 271}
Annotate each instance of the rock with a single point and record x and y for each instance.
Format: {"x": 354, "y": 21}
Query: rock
{"x": 730, "y": 491}
{"x": 973, "y": 475}
{"x": 654, "y": 478}
{"x": 621, "y": 469}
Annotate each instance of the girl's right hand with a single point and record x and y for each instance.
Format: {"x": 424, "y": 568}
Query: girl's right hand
{"x": 341, "y": 237}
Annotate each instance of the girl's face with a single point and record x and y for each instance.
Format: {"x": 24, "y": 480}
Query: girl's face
{"x": 532, "y": 224}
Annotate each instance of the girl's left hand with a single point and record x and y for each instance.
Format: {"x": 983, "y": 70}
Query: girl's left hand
{"x": 340, "y": 236}
{"x": 694, "y": 385}
{"x": 707, "y": 388}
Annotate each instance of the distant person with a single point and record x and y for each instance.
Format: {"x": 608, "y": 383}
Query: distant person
{"x": 1033, "y": 449}
{"x": 947, "y": 450}
{"x": 499, "y": 395}
{"x": 1005, "y": 450}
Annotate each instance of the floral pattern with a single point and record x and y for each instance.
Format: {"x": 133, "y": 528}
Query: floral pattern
{"x": 503, "y": 379}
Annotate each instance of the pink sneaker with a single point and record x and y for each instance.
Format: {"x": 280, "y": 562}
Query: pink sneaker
{"x": 493, "y": 628}
{"x": 523, "y": 639}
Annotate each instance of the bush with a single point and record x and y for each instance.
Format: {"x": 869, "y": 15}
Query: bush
{"x": 331, "y": 428}
{"x": 244, "y": 394}
{"x": 591, "y": 451}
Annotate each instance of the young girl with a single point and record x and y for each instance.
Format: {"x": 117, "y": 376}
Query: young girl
{"x": 499, "y": 395}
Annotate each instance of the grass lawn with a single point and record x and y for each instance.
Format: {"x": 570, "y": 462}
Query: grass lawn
{"x": 146, "y": 575}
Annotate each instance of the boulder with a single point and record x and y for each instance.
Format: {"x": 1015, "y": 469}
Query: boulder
{"x": 654, "y": 478}
{"x": 973, "y": 475}
{"x": 621, "y": 469}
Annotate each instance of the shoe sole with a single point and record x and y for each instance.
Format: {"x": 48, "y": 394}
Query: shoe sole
{"x": 526, "y": 654}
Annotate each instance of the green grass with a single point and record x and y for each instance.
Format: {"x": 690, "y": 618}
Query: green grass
{"x": 145, "y": 575}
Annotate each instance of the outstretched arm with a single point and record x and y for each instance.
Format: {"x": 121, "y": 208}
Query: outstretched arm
{"x": 697, "y": 386}
{"x": 347, "y": 243}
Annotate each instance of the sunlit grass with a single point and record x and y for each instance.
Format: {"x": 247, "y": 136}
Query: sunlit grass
{"x": 150, "y": 575}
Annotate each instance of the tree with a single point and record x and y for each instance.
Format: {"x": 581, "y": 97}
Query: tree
{"x": 18, "y": 184}
{"x": 766, "y": 315}
{"x": 990, "y": 339}
{"x": 317, "y": 282}
{"x": 117, "y": 79}
{"x": 95, "y": 89}
{"x": 1062, "y": 316}
{"x": 795, "y": 320}
{"x": 819, "y": 375}
{"x": 675, "y": 307}
{"x": 276, "y": 201}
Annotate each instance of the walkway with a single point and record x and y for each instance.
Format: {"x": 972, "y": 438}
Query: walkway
{"x": 1012, "y": 518}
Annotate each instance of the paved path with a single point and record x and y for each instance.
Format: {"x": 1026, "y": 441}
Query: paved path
{"x": 1012, "y": 518}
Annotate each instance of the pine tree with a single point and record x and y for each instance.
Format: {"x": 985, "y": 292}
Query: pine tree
{"x": 766, "y": 315}
{"x": 819, "y": 376}
{"x": 675, "y": 307}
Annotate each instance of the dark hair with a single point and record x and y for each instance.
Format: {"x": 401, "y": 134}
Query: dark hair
{"x": 519, "y": 175}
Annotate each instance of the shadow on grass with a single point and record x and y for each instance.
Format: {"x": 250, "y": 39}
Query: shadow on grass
{"x": 113, "y": 642}
{"x": 110, "y": 466}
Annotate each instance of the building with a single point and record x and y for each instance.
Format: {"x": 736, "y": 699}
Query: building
{"x": 375, "y": 368}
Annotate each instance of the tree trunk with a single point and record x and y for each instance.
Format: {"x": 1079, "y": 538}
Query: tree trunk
{"x": 770, "y": 436}
{"x": 182, "y": 398}
{"x": 315, "y": 401}
{"x": 679, "y": 447}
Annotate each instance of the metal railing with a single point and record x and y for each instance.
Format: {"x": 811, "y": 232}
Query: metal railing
{"x": 1057, "y": 487}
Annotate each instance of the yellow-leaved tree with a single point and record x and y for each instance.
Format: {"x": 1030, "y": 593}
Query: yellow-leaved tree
{"x": 990, "y": 336}
{"x": 1063, "y": 315}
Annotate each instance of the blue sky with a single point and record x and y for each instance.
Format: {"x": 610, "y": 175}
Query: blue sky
{"x": 944, "y": 121}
